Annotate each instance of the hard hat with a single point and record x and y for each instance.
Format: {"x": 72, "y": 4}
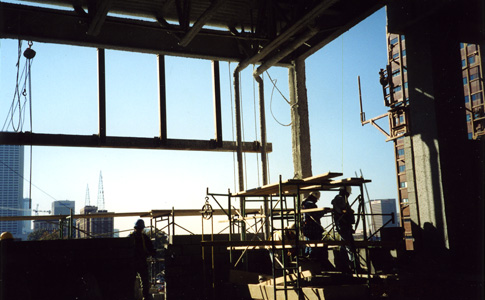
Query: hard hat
{"x": 347, "y": 189}
{"x": 140, "y": 224}
{"x": 315, "y": 194}
{"x": 6, "y": 236}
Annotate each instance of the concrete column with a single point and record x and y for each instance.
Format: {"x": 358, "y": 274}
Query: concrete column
{"x": 444, "y": 173}
{"x": 300, "y": 128}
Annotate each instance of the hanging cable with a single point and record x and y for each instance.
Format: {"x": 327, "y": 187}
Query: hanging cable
{"x": 271, "y": 100}
{"x": 342, "y": 103}
{"x": 29, "y": 54}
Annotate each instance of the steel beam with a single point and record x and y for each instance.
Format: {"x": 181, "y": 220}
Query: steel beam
{"x": 102, "y": 8}
{"x": 207, "y": 15}
{"x": 42, "y": 25}
{"x": 94, "y": 141}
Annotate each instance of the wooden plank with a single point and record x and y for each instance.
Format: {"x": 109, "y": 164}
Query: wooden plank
{"x": 290, "y": 185}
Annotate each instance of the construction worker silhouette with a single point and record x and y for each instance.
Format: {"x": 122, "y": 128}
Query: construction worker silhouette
{"x": 143, "y": 249}
{"x": 311, "y": 226}
{"x": 343, "y": 216}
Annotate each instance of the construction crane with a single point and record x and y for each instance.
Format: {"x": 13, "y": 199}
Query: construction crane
{"x": 36, "y": 211}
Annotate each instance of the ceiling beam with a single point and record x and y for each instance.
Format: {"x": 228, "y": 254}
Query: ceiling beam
{"x": 94, "y": 141}
{"x": 99, "y": 16}
{"x": 300, "y": 24}
{"x": 206, "y": 16}
{"x": 42, "y": 25}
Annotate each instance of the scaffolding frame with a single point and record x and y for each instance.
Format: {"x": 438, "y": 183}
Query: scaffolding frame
{"x": 292, "y": 188}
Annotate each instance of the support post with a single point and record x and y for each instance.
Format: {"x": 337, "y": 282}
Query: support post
{"x": 300, "y": 128}
{"x": 102, "y": 95}
{"x": 237, "y": 112}
{"x": 162, "y": 97}
{"x": 216, "y": 79}
{"x": 264, "y": 163}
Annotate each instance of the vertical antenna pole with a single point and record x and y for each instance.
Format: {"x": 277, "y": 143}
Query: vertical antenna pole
{"x": 362, "y": 114}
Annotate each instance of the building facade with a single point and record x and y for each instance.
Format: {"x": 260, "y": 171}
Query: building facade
{"x": 63, "y": 207}
{"x": 27, "y": 211}
{"x": 11, "y": 187}
{"x": 384, "y": 214}
{"x": 94, "y": 227}
{"x": 394, "y": 80}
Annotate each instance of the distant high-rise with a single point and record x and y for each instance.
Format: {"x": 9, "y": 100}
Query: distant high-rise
{"x": 63, "y": 207}
{"x": 11, "y": 187}
{"x": 27, "y": 211}
{"x": 382, "y": 210}
{"x": 94, "y": 227}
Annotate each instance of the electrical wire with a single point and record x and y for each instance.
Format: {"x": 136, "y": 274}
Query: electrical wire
{"x": 271, "y": 100}
{"x": 3, "y": 163}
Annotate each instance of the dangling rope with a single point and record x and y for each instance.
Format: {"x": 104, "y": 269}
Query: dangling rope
{"x": 23, "y": 88}
{"x": 19, "y": 92}
{"x": 29, "y": 55}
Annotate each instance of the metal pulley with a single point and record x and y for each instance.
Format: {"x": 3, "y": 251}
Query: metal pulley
{"x": 207, "y": 210}
{"x": 29, "y": 53}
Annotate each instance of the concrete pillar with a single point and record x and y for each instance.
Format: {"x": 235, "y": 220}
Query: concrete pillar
{"x": 300, "y": 128}
{"x": 445, "y": 168}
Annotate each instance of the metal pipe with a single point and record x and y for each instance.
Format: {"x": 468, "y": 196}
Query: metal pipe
{"x": 286, "y": 51}
{"x": 362, "y": 114}
{"x": 102, "y": 95}
{"x": 278, "y": 41}
{"x": 264, "y": 163}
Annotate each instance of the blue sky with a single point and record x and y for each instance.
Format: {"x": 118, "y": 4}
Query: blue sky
{"x": 64, "y": 100}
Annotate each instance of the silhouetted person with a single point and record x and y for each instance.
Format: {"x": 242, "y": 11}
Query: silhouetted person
{"x": 343, "y": 216}
{"x": 143, "y": 249}
{"x": 312, "y": 228}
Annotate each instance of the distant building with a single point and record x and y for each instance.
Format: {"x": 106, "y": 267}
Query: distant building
{"x": 94, "y": 227}
{"x": 11, "y": 187}
{"x": 50, "y": 226}
{"x": 63, "y": 207}
{"x": 27, "y": 211}
{"x": 382, "y": 210}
